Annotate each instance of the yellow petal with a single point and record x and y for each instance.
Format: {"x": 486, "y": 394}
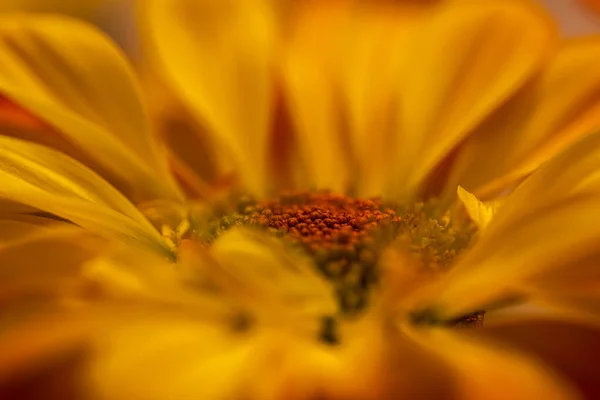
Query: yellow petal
{"x": 561, "y": 106}
{"x": 308, "y": 68}
{"x": 194, "y": 155}
{"x": 17, "y": 226}
{"x": 218, "y": 56}
{"x": 71, "y": 76}
{"x": 548, "y": 227}
{"x": 129, "y": 275}
{"x": 574, "y": 290}
{"x": 50, "y": 181}
{"x": 131, "y": 358}
{"x": 41, "y": 261}
{"x": 464, "y": 62}
{"x": 272, "y": 274}
{"x": 481, "y": 213}
{"x": 371, "y": 49}
{"x": 488, "y": 371}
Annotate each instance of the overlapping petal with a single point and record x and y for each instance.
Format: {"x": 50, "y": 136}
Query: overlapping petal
{"x": 72, "y": 77}
{"x": 219, "y": 56}
{"x": 48, "y": 180}
{"x": 464, "y": 61}
{"x": 485, "y": 370}
{"x": 274, "y": 275}
{"x": 559, "y": 107}
{"x": 547, "y": 231}
{"x": 42, "y": 262}
{"x": 566, "y": 347}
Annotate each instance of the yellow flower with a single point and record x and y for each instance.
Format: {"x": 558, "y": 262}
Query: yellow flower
{"x": 145, "y": 291}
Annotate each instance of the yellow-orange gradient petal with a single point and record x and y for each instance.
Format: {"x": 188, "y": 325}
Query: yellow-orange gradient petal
{"x": 463, "y": 63}
{"x": 273, "y": 276}
{"x": 218, "y": 56}
{"x": 549, "y": 227}
{"x": 559, "y": 107}
{"x": 48, "y": 180}
{"x": 570, "y": 349}
{"x": 308, "y": 68}
{"x": 485, "y": 370}
{"x": 40, "y": 354}
{"x": 74, "y": 79}
{"x": 44, "y": 263}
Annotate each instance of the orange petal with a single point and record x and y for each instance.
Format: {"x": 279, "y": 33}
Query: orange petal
{"x": 462, "y": 64}
{"x": 561, "y": 106}
{"x": 483, "y": 370}
{"x": 568, "y": 348}
{"x": 95, "y": 104}
{"x": 219, "y": 58}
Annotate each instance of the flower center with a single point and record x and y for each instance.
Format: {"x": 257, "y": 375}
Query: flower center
{"x": 345, "y": 236}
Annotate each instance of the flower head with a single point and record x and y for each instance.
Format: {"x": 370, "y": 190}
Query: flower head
{"x": 327, "y": 255}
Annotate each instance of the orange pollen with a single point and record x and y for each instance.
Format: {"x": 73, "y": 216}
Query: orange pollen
{"x": 322, "y": 220}
{"x": 342, "y": 234}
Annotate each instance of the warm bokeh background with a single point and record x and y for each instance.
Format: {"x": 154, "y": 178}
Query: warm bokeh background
{"x": 576, "y": 17}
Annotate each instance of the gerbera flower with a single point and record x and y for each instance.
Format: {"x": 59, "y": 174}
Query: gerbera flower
{"x": 337, "y": 265}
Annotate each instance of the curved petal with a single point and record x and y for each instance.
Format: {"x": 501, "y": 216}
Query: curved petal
{"x": 274, "y": 275}
{"x": 130, "y": 359}
{"x": 569, "y": 349}
{"x": 481, "y": 213}
{"x": 195, "y": 158}
{"x": 561, "y": 106}
{"x": 218, "y": 55}
{"x": 547, "y": 230}
{"x": 17, "y": 226}
{"x": 40, "y": 262}
{"x": 50, "y": 181}
{"x": 39, "y": 355}
{"x": 461, "y": 64}
{"x": 308, "y": 69}
{"x": 72, "y": 77}
{"x": 487, "y": 371}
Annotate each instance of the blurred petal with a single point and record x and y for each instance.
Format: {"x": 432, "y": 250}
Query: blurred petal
{"x": 17, "y": 226}
{"x": 72, "y": 77}
{"x": 379, "y": 362}
{"x": 569, "y": 349}
{"x": 204, "y": 360}
{"x": 128, "y": 276}
{"x": 194, "y": 156}
{"x": 218, "y": 56}
{"x": 40, "y": 262}
{"x": 373, "y": 47}
{"x": 57, "y": 6}
{"x": 461, "y": 64}
{"x": 561, "y": 106}
{"x": 273, "y": 274}
{"x": 308, "y": 67}
{"x": 485, "y": 371}
{"x": 50, "y": 181}
{"x": 548, "y": 229}
{"x": 36, "y": 353}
